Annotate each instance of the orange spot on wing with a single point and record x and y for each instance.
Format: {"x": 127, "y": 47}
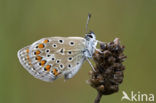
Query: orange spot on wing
{"x": 28, "y": 57}
{"x": 47, "y": 68}
{"x": 28, "y": 60}
{"x": 27, "y": 50}
{"x": 37, "y": 52}
{"x": 55, "y": 72}
{"x": 46, "y": 41}
{"x": 41, "y": 46}
{"x": 43, "y": 62}
{"x": 38, "y": 58}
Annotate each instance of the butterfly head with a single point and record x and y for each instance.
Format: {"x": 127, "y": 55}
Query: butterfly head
{"x": 91, "y": 44}
{"x": 90, "y": 36}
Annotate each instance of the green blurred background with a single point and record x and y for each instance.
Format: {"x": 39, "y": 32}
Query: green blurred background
{"x": 24, "y": 21}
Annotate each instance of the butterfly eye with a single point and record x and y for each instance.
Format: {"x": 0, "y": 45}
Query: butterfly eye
{"x": 90, "y": 36}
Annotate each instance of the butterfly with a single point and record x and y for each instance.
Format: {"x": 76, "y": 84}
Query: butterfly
{"x": 50, "y": 58}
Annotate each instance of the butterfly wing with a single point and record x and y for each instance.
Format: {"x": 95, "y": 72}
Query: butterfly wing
{"x": 50, "y": 58}
{"x": 26, "y": 62}
{"x": 76, "y": 65}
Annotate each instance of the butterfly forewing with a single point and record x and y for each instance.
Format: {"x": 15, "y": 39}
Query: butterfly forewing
{"x": 50, "y": 58}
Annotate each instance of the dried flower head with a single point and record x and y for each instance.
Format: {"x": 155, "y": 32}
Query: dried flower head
{"x": 108, "y": 72}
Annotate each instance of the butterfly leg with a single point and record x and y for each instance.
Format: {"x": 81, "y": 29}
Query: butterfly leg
{"x": 90, "y": 64}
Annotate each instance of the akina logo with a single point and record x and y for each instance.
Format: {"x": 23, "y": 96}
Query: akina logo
{"x": 137, "y": 96}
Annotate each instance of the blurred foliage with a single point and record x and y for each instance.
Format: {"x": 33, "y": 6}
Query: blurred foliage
{"x": 24, "y": 21}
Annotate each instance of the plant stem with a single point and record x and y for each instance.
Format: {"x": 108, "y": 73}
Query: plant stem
{"x": 98, "y": 98}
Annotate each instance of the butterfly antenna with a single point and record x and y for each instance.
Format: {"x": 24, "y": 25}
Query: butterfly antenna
{"x": 89, "y": 16}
